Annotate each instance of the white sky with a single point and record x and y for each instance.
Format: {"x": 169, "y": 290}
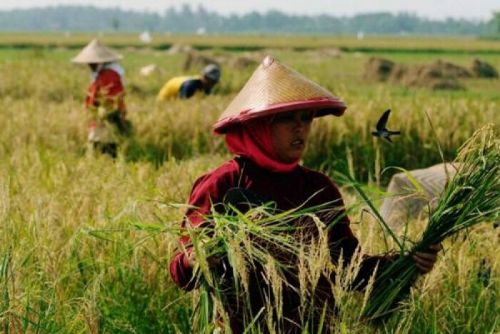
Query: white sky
{"x": 436, "y": 9}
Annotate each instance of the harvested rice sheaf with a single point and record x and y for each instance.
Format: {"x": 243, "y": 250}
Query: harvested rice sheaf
{"x": 260, "y": 246}
{"x": 471, "y": 197}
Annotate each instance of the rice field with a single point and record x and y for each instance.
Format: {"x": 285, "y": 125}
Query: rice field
{"x": 422, "y": 44}
{"x": 80, "y": 247}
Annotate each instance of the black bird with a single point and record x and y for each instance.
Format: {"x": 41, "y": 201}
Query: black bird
{"x": 382, "y": 131}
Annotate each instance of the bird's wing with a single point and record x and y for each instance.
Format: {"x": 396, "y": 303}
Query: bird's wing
{"x": 382, "y": 122}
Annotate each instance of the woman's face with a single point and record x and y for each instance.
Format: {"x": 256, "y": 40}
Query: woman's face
{"x": 289, "y": 132}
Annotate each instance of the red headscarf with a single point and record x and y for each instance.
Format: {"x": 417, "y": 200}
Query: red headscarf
{"x": 253, "y": 140}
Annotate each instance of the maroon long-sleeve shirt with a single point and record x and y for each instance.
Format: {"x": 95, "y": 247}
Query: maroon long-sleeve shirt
{"x": 287, "y": 190}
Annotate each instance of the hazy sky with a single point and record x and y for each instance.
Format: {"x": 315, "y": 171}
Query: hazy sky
{"x": 437, "y": 9}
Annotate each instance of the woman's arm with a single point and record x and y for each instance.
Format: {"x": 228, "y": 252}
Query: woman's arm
{"x": 207, "y": 190}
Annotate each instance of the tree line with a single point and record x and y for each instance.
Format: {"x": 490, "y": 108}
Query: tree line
{"x": 187, "y": 19}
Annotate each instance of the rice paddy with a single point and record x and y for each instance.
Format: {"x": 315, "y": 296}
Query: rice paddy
{"x": 85, "y": 242}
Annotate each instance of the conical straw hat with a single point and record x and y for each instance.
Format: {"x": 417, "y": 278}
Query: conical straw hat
{"x": 275, "y": 88}
{"x": 95, "y": 53}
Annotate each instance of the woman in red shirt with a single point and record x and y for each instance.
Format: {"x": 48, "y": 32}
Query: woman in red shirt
{"x": 266, "y": 126}
{"x": 105, "y": 97}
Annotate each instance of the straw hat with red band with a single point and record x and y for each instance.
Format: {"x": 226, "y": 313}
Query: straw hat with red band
{"x": 96, "y": 53}
{"x": 274, "y": 88}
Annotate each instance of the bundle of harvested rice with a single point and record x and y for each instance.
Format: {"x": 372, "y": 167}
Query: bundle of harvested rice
{"x": 471, "y": 197}
{"x": 256, "y": 253}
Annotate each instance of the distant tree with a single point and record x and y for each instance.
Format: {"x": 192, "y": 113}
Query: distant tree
{"x": 189, "y": 19}
{"x": 496, "y": 20}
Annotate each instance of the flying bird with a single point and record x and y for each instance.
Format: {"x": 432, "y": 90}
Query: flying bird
{"x": 382, "y": 131}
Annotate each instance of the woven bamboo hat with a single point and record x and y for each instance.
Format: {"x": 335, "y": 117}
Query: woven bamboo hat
{"x": 95, "y": 53}
{"x": 275, "y": 88}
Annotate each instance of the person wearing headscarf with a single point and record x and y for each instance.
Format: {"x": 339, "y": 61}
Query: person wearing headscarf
{"x": 105, "y": 97}
{"x": 266, "y": 127}
{"x": 184, "y": 87}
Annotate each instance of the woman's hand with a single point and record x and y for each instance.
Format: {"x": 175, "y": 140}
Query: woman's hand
{"x": 425, "y": 260}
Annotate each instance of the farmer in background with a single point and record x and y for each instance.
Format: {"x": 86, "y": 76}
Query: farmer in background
{"x": 266, "y": 127}
{"x": 105, "y": 97}
{"x": 187, "y": 86}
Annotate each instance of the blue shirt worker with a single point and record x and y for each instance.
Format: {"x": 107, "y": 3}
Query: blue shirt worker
{"x": 184, "y": 87}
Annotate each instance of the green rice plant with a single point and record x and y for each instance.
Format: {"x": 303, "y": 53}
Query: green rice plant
{"x": 471, "y": 197}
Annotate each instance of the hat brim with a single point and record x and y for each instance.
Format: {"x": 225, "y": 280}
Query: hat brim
{"x": 323, "y": 106}
{"x": 96, "y": 60}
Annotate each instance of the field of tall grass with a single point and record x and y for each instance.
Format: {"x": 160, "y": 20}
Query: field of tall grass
{"x": 80, "y": 251}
